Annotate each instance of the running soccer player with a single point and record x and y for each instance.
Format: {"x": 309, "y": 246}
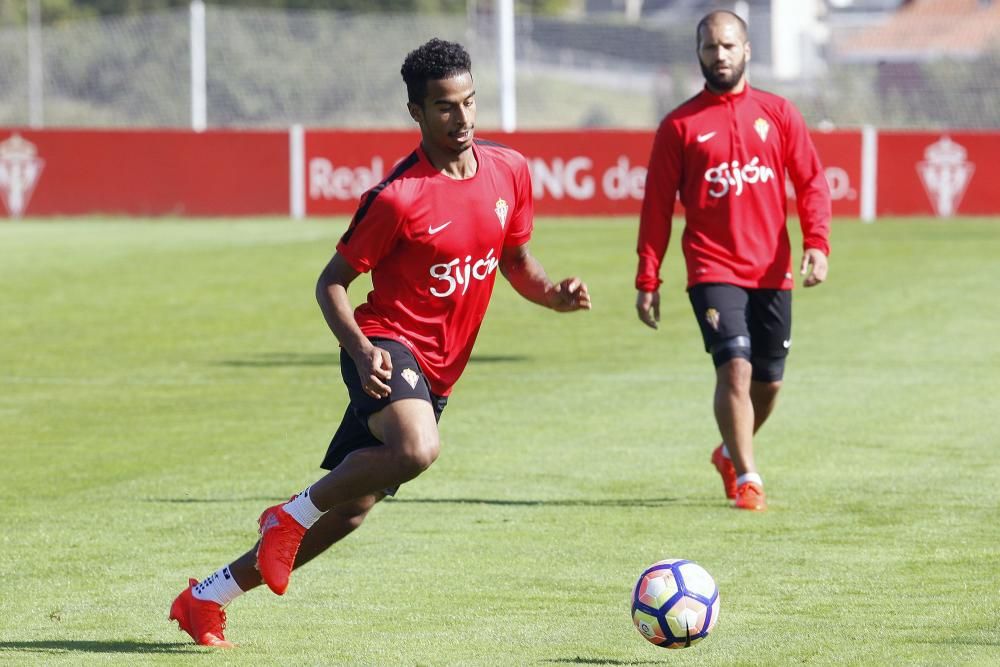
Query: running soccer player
{"x": 433, "y": 234}
{"x": 726, "y": 152}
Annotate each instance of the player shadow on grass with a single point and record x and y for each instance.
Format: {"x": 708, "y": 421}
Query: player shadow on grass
{"x": 599, "y": 661}
{"x": 555, "y": 502}
{"x": 241, "y": 499}
{"x": 959, "y": 641}
{"x": 55, "y": 647}
{"x": 279, "y": 359}
{"x": 503, "y": 502}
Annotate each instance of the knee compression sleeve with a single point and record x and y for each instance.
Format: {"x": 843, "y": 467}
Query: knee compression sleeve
{"x": 768, "y": 369}
{"x": 731, "y": 348}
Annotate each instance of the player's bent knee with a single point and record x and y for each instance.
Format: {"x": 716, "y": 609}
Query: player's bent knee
{"x": 734, "y": 374}
{"x": 414, "y": 453}
{"x": 420, "y": 454}
{"x": 409, "y": 429}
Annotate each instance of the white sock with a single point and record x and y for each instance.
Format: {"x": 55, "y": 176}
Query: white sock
{"x": 301, "y": 509}
{"x": 219, "y": 587}
{"x": 750, "y": 477}
{"x": 725, "y": 451}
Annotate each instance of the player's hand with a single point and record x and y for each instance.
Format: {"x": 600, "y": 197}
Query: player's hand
{"x": 647, "y": 305}
{"x": 375, "y": 370}
{"x": 571, "y": 294}
{"x": 814, "y": 267}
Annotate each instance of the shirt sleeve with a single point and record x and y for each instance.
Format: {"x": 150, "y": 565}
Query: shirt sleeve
{"x": 655, "y": 220}
{"x": 521, "y": 221}
{"x": 812, "y": 192}
{"x": 372, "y": 233}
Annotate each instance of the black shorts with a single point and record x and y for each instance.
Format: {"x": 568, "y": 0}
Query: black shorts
{"x": 754, "y": 324}
{"x": 407, "y": 381}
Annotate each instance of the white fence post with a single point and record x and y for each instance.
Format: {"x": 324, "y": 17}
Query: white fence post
{"x": 199, "y": 79}
{"x": 505, "y": 57}
{"x": 36, "y": 80}
{"x": 297, "y": 172}
{"x": 869, "y": 173}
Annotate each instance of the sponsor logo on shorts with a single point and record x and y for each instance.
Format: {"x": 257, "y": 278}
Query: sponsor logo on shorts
{"x": 712, "y": 317}
{"x": 411, "y": 377}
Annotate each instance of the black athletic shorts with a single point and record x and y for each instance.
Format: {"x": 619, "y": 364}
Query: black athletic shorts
{"x": 408, "y": 381}
{"x": 754, "y": 324}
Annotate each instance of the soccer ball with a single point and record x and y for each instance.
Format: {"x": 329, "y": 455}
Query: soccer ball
{"x": 675, "y": 603}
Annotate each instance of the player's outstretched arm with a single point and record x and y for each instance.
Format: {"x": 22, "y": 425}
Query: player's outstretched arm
{"x": 527, "y": 276}
{"x": 647, "y": 306}
{"x": 374, "y": 364}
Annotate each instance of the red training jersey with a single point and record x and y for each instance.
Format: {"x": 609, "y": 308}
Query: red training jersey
{"x": 433, "y": 245}
{"x": 727, "y": 156}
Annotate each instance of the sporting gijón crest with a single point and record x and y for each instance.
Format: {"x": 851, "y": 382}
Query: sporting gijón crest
{"x": 20, "y": 168}
{"x": 501, "y": 211}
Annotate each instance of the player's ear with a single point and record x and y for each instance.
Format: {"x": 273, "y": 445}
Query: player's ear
{"x": 416, "y": 112}
{"x": 746, "y": 50}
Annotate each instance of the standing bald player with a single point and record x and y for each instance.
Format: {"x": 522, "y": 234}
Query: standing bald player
{"x": 726, "y": 152}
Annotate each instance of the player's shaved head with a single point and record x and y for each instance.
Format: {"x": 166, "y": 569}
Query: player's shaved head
{"x": 723, "y": 51}
{"x": 433, "y": 61}
{"x": 721, "y": 17}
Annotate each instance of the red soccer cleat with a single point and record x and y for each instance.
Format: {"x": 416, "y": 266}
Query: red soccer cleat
{"x": 204, "y": 620}
{"x": 750, "y": 496}
{"x": 726, "y": 469}
{"x": 280, "y": 537}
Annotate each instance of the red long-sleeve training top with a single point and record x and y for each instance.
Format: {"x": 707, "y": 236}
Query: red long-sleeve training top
{"x": 727, "y": 156}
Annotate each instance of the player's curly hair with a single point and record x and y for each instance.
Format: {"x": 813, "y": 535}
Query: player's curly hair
{"x": 435, "y": 60}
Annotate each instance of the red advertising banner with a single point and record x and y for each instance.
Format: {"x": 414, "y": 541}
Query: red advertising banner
{"x": 340, "y": 166}
{"x": 324, "y": 172}
{"x": 840, "y": 154}
{"x": 573, "y": 173}
{"x": 593, "y": 172}
{"x": 68, "y": 172}
{"x": 942, "y": 174}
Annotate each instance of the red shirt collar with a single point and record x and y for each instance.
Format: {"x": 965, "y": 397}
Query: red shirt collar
{"x": 725, "y": 97}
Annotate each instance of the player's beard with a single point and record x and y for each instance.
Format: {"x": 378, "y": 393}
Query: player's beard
{"x": 724, "y": 82}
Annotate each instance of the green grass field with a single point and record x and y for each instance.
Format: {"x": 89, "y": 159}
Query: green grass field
{"x": 163, "y": 381}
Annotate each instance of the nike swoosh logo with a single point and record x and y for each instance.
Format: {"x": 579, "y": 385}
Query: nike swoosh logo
{"x": 702, "y": 138}
{"x": 786, "y": 343}
{"x": 434, "y": 230}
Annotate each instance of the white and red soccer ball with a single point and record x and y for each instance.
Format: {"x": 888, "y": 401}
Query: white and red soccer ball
{"x": 675, "y": 603}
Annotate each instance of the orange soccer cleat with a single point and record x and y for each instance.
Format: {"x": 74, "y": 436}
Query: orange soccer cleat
{"x": 204, "y": 620}
{"x": 280, "y": 537}
{"x": 726, "y": 469}
{"x": 750, "y": 496}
